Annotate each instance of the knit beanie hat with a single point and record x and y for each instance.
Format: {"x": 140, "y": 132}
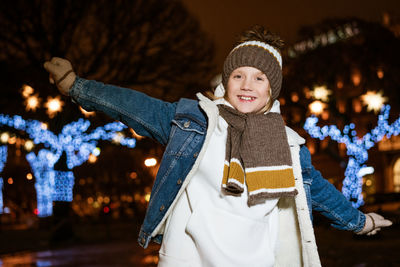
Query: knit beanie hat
{"x": 259, "y": 55}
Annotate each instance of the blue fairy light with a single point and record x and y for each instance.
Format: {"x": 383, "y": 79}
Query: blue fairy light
{"x": 3, "y": 158}
{"x": 357, "y": 148}
{"x": 63, "y": 185}
{"x": 74, "y": 140}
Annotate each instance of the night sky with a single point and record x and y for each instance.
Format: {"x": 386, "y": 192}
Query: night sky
{"x": 224, "y": 19}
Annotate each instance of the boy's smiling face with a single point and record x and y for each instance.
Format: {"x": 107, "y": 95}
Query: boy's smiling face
{"x": 248, "y": 89}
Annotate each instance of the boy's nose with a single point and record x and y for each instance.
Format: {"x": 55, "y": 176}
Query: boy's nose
{"x": 246, "y": 85}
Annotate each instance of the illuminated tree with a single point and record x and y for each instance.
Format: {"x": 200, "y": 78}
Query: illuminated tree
{"x": 343, "y": 71}
{"x": 152, "y": 46}
{"x": 74, "y": 141}
{"x": 3, "y": 159}
{"x": 357, "y": 148}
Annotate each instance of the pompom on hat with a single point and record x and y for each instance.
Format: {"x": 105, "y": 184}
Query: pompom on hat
{"x": 259, "y": 55}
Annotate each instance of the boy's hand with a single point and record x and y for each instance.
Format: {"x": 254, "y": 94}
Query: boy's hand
{"x": 373, "y": 223}
{"x": 61, "y": 73}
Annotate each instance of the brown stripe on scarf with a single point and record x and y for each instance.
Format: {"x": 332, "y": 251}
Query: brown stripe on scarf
{"x": 259, "y": 142}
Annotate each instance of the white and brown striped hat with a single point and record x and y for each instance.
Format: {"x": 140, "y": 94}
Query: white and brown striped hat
{"x": 259, "y": 55}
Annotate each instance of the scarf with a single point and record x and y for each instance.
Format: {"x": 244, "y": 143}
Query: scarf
{"x": 258, "y": 155}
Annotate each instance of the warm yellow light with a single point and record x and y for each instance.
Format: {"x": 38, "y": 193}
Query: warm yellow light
{"x": 32, "y": 103}
{"x": 374, "y": 100}
{"x": 4, "y": 137}
{"x": 339, "y": 84}
{"x": 133, "y": 175}
{"x": 27, "y": 91}
{"x": 150, "y": 162}
{"x": 137, "y": 136}
{"x": 29, "y": 176}
{"x": 92, "y": 158}
{"x": 12, "y": 140}
{"x": 357, "y": 105}
{"x": 307, "y": 92}
{"x": 295, "y": 97}
{"x": 53, "y": 105}
{"x": 87, "y": 113}
{"x": 321, "y": 93}
{"x": 117, "y": 138}
{"x": 28, "y": 145}
{"x": 10, "y": 180}
{"x": 368, "y": 183}
{"x": 147, "y": 197}
{"x": 106, "y": 200}
{"x": 44, "y": 126}
{"x": 380, "y": 73}
{"x": 316, "y": 107}
{"x": 356, "y": 78}
{"x": 90, "y": 200}
{"x": 150, "y": 260}
{"x": 341, "y": 105}
{"x": 325, "y": 115}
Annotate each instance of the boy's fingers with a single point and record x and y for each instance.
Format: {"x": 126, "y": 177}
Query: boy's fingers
{"x": 51, "y": 79}
{"x": 386, "y": 223}
{"x": 46, "y": 65}
{"x": 49, "y": 66}
{"x": 55, "y": 60}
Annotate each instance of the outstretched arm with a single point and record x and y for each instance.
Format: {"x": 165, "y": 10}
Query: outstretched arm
{"x": 146, "y": 115}
{"x": 325, "y": 198}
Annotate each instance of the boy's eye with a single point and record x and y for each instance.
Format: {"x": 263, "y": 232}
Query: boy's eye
{"x": 237, "y": 76}
{"x": 260, "y": 78}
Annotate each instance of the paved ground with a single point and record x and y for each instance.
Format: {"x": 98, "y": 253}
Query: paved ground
{"x": 337, "y": 248}
{"x": 110, "y": 254}
{"x": 341, "y": 248}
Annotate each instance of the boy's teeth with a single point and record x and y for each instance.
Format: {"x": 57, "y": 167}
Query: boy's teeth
{"x": 246, "y": 97}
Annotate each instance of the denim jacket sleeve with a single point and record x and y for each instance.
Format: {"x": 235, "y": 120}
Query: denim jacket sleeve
{"x": 148, "y": 116}
{"x": 325, "y": 198}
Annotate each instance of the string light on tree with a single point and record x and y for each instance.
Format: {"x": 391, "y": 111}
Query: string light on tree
{"x": 3, "y": 159}
{"x": 77, "y": 144}
{"x": 357, "y": 148}
{"x": 4, "y": 137}
{"x": 92, "y": 158}
{"x": 28, "y": 145}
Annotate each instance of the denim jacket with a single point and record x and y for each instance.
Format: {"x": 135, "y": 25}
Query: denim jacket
{"x": 182, "y": 127}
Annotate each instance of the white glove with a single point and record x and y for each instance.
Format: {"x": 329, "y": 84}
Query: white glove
{"x": 61, "y": 73}
{"x": 373, "y": 223}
